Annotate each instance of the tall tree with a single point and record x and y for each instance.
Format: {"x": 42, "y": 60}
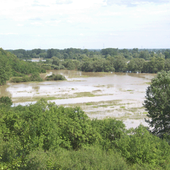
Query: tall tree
{"x": 157, "y": 104}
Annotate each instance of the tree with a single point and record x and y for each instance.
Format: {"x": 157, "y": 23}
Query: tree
{"x": 136, "y": 64}
{"x": 157, "y": 104}
{"x": 141, "y": 147}
{"x": 6, "y": 101}
{"x": 119, "y": 63}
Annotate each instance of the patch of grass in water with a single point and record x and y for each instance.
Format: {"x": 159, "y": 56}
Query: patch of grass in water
{"x": 84, "y": 94}
{"x": 47, "y": 98}
{"x": 100, "y": 86}
{"x": 122, "y": 107}
{"x": 148, "y": 83}
{"x": 104, "y": 105}
{"x": 95, "y": 91}
{"x": 110, "y": 85}
{"x": 100, "y": 106}
{"x": 89, "y": 104}
{"x": 145, "y": 113}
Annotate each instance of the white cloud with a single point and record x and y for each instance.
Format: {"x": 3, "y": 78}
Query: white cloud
{"x": 20, "y": 25}
{"x": 133, "y": 3}
{"x": 63, "y": 1}
{"x": 9, "y": 33}
{"x": 37, "y": 23}
{"x": 75, "y": 18}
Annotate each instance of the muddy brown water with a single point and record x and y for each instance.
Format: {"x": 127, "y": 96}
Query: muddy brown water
{"x": 100, "y": 95}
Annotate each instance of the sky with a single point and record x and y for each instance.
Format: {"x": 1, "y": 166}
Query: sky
{"x": 85, "y": 24}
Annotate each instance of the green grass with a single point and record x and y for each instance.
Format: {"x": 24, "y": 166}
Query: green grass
{"x": 148, "y": 83}
{"x": 84, "y": 94}
{"x": 89, "y": 104}
{"x": 122, "y": 107}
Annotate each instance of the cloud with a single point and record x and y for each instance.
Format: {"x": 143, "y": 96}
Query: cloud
{"x": 133, "y": 3}
{"x": 20, "y": 25}
{"x": 37, "y": 23}
{"x": 9, "y": 33}
{"x": 63, "y": 1}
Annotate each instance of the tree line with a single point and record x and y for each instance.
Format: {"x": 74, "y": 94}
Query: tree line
{"x": 105, "y": 60}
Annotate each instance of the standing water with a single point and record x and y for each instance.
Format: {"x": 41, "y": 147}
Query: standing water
{"x": 100, "y": 95}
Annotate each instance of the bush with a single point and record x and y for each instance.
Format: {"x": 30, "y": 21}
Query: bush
{"x": 25, "y": 79}
{"x": 143, "y": 148}
{"x": 5, "y": 101}
{"x": 55, "y": 77}
{"x": 16, "y": 80}
{"x": 89, "y": 158}
{"x": 35, "y": 77}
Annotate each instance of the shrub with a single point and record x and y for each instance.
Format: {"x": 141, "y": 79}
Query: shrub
{"x": 141, "y": 147}
{"x": 16, "y": 80}
{"x": 55, "y": 77}
{"x": 35, "y": 77}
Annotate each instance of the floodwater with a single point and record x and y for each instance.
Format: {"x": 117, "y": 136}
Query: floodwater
{"x": 100, "y": 95}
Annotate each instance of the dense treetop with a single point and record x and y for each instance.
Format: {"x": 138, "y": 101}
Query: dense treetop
{"x": 47, "y": 136}
{"x": 109, "y": 59}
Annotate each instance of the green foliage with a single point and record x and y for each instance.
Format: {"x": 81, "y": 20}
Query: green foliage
{"x": 55, "y": 77}
{"x": 105, "y": 60}
{"x": 136, "y": 65}
{"x": 16, "y": 80}
{"x": 143, "y": 148}
{"x": 89, "y": 158}
{"x": 4, "y": 100}
{"x": 120, "y": 64}
{"x": 69, "y": 64}
{"x": 157, "y": 104}
{"x": 46, "y": 136}
{"x": 35, "y": 77}
{"x": 109, "y": 129}
{"x": 10, "y": 66}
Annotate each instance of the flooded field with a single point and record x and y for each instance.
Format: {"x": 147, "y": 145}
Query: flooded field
{"x": 100, "y": 95}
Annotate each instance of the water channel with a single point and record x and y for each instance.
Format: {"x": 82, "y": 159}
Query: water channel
{"x": 100, "y": 95}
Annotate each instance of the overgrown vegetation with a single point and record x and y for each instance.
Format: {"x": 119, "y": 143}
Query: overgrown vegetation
{"x": 47, "y": 136}
{"x": 105, "y": 60}
{"x": 11, "y": 66}
{"x": 34, "y": 77}
{"x": 55, "y": 77}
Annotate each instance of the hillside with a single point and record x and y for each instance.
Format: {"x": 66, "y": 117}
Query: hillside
{"x": 11, "y": 66}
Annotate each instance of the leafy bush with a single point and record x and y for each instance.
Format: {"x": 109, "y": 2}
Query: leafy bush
{"x": 16, "y": 80}
{"x": 5, "y": 101}
{"x": 25, "y": 78}
{"x": 89, "y": 158}
{"x": 35, "y": 77}
{"x": 110, "y": 130}
{"x": 55, "y": 77}
{"x": 141, "y": 147}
